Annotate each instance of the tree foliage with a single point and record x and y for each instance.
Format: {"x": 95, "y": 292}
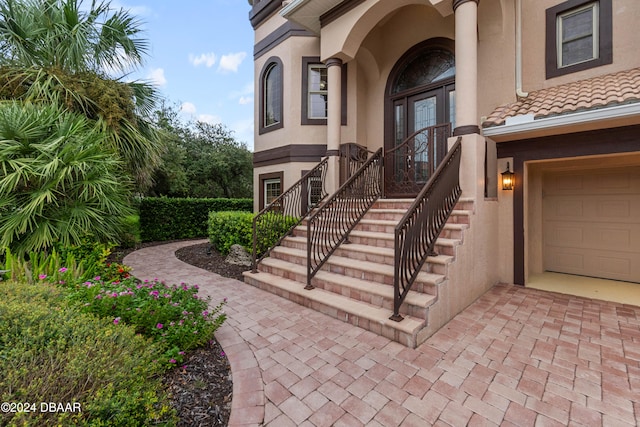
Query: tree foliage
{"x": 56, "y": 51}
{"x": 57, "y": 182}
{"x": 202, "y": 160}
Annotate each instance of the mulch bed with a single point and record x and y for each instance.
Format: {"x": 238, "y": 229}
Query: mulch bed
{"x": 200, "y": 392}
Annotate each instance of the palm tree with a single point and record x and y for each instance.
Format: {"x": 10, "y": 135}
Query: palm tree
{"x": 57, "y": 182}
{"x": 77, "y": 56}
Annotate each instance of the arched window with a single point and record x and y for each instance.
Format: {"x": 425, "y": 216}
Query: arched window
{"x": 271, "y": 96}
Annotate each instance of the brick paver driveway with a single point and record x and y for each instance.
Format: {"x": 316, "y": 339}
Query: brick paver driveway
{"x": 515, "y": 357}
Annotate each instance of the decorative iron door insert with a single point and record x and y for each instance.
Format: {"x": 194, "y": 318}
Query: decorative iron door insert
{"x": 409, "y": 165}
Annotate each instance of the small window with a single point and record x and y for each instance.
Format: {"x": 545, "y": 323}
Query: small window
{"x": 271, "y": 96}
{"x": 272, "y": 190}
{"x": 578, "y": 36}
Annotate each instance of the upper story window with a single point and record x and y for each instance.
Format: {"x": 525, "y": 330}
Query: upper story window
{"x": 314, "y": 91}
{"x": 271, "y": 96}
{"x": 317, "y": 91}
{"x": 579, "y": 36}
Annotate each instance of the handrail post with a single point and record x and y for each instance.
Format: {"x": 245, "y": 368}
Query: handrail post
{"x": 423, "y": 222}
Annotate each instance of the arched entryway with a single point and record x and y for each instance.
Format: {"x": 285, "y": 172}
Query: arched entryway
{"x": 420, "y": 94}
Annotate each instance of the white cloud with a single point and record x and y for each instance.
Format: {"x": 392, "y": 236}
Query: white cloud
{"x": 156, "y": 76}
{"x": 188, "y": 108}
{"x": 245, "y": 100}
{"x": 231, "y": 62}
{"x": 208, "y": 59}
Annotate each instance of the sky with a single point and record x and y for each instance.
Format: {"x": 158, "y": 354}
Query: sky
{"x": 200, "y": 58}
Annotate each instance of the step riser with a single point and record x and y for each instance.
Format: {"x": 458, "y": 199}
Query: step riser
{"x": 418, "y": 286}
{"x": 405, "y": 205}
{"x": 377, "y": 300}
{"x": 353, "y": 319}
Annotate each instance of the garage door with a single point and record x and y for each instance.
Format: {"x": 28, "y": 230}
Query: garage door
{"x": 591, "y": 223}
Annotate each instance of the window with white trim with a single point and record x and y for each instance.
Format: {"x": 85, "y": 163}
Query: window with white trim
{"x": 579, "y": 36}
{"x": 577, "y": 32}
{"x": 272, "y": 190}
{"x": 317, "y": 91}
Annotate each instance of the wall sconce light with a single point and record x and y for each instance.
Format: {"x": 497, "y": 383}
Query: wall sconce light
{"x": 507, "y": 179}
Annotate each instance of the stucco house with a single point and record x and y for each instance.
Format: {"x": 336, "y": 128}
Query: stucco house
{"x": 534, "y": 106}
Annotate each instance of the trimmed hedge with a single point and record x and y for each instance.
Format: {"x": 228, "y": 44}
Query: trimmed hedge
{"x": 164, "y": 218}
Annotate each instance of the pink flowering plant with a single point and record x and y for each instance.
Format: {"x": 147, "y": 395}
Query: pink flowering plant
{"x": 174, "y": 316}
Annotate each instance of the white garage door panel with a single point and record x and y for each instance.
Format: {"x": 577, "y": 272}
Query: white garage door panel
{"x": 591, "y": 222}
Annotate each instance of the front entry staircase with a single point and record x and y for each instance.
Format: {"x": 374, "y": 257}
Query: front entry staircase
{"x": 355, "y": 284}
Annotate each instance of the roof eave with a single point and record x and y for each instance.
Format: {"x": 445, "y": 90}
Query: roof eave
{"x": 564, "y": 123}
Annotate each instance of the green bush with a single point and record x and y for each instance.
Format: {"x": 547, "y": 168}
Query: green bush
{"x": 174, "y": 316}
{"x": 230, "y": 228}
{"x": 270, "y": 228}
{"x": 181, "y": 218}
{"x": 51, "y": 352}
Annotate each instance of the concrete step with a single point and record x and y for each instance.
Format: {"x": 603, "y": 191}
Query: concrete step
{"x": 357, "y": 313}
{"x": 378, "y": 294}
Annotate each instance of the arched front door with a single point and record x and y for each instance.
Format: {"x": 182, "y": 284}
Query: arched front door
{"x": 420, "y": 98}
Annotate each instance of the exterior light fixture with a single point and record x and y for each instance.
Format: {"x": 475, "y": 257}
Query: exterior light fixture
{"x": 507, "y": 179}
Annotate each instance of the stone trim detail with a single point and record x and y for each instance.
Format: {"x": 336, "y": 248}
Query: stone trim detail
{"x": 466, "y": 130}
{"x": 457, "y": 3}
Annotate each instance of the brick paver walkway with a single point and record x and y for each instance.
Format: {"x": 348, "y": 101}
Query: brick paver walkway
{"x": 515, "y": 357}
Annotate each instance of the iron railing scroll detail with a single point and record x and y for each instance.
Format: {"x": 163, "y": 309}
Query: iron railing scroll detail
{"x": 331, "y": 223}
{"x": 410, "y": 164}
{"x": 277, "y": 220}
{"x": 418, "y": 230}
{"x": 352, "y": 157}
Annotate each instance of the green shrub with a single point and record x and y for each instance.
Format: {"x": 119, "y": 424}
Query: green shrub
{"x": 51, "y": 352}
{"x": 174, "y": 316}
{"x": 181, "y": 218}
{"x": 270, "y": 228}
{"x": 230, "y": 228}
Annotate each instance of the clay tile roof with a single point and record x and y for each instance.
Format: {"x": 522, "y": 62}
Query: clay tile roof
{"x": 597, "y": 92}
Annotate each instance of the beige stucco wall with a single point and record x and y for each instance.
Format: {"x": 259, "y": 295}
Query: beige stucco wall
{"x": 626, "y": 39}
{"x": 290, "y": 53}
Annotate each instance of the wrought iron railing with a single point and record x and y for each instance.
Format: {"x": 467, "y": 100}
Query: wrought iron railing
{"x": 332, "y": 222}
{"x": 410, "y": 164}
{"x": 273, "y": 223}
{"x": 352, "y": 157}
{"x": 418, "y": 230}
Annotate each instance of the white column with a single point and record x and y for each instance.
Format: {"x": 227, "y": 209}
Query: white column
{"x": 334, "y": 121}
{"x": 466, "y": 66}
{"x": 473, "y": 145}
